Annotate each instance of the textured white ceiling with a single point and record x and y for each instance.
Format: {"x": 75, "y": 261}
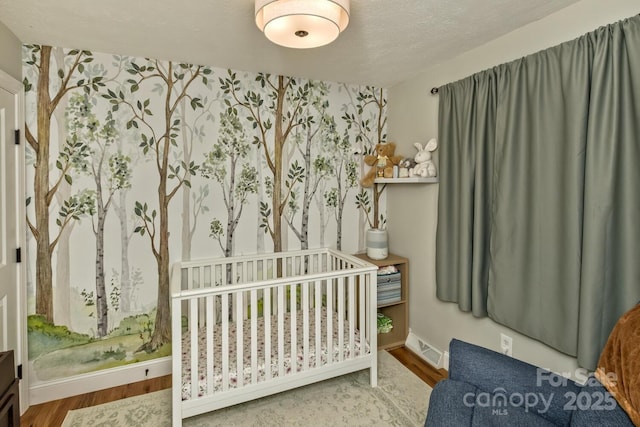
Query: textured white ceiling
{"x": 387, "y": 41}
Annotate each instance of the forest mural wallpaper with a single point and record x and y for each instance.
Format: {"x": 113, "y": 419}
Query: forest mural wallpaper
{"x": 134, "y": 163}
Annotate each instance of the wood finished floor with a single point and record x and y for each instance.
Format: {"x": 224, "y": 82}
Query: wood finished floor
{"x": 51, "y": 414}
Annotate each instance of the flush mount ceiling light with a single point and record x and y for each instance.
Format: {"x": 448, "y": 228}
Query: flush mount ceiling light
{"x": 302, "y": 24}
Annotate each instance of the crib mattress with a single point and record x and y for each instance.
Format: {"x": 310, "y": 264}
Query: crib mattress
{"x": 261, "y": 371}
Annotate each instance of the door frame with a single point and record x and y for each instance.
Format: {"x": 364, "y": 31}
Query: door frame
{"x": 15, "y": 87}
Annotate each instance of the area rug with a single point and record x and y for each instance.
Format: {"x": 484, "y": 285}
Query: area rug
{"x": 401, "y": 399}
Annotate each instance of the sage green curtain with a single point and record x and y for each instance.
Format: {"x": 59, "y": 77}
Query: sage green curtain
{"x": 466, "y": 168}
{"x": 539, "y": 200}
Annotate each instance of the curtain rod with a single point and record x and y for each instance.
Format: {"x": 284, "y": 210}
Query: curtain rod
{"x": 435, "y": 90}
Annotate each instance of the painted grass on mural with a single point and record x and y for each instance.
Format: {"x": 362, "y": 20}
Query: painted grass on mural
{"x": 57, "y": 352}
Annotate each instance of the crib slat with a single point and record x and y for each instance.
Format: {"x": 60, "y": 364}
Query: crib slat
{"x": 293, "y": 317}
{"x": 193, "y": 308}
{"x": 352, "y": 315}
{"x": 239, "y": 339}
{"x": 245, "y": 279}
{"x": 177, "y": 366}
{"x": 225, "y": 341}
{"x": 254, "y": 336}
{"x": 318, "y": 307}
{"x": 341, "y": 318}
{"x": 330, "y": 314}
{"x": 190, "y": 314}
{"x": 281, "y": 331}
{"x": 362, "y": 308}
{"x": 305, "y": 326}
{"x": 267, "y": 333}
{"x": 201, "y": 309}
{"x": 210, "y": 344}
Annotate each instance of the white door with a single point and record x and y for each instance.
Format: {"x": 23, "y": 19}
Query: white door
{"x": 11, "y": 226}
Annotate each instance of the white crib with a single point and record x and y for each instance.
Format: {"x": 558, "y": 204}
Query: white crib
{"x": 249, "y": 326}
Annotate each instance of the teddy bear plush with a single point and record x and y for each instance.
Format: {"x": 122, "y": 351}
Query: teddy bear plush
{"x": 382, "y": 162}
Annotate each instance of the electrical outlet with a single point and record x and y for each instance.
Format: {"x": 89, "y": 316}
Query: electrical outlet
{"x": 506, "y": 345}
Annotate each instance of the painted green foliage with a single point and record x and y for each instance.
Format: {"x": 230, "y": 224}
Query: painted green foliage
{"x": 110, "y": 172}
{"x": 227, "y": 164}
{"x": 242, "y": 151}
{"x": 366, "y": 116}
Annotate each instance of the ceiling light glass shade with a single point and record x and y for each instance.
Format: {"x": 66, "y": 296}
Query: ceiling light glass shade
{"x": 302, "y": 24}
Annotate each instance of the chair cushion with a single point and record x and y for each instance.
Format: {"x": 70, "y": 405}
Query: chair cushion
{"x": 493, "y": 373}
{"x": 460, "y": 404}
{"x": 446, "y": 404}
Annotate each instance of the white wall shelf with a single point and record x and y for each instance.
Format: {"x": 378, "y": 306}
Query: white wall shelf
{"x": 413, "y": 180}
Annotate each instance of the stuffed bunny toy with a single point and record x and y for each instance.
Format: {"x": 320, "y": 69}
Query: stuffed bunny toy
{"x": 424, "y": 165}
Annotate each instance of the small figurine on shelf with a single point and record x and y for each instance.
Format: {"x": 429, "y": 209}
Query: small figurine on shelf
{"x": 405, "y": 165}
{"x": 424, "y": 165}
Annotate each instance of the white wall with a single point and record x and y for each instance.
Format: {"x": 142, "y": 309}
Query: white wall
{"x": 10, "y": 53}
{"x": 413, "y": 117}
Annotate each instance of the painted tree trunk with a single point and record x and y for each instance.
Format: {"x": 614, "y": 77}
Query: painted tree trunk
{"x": 323, "y": 221}
{"x": 62, "y": 292}
{"x": 42, "y": 198}
{"x": 228, "y": 249}
{"x": 376, "y": 200}
{"x": 162, "y": 329}
{"x": 186, "y": 224}
{"x": 162, "y": 325}
{"x": 187, "y": 148}
{"x": 341, "y": 201}
{"x": 232, "y": 221}
{"x": 308, "y": 195}
{"x": 380, "y": 128}
{"x": 259, "y": 231}
{"x": 101, "y": 289}
{"x": 125, "y": 270}
{"x": 277, "y": 206}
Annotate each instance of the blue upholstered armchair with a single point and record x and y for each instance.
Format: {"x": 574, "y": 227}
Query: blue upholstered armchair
{"x": 486, "y": 388}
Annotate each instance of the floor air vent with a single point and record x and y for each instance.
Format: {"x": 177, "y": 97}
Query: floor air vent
{"x": 424, "y": 350}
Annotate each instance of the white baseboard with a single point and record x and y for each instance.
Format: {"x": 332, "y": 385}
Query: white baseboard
{"x": 80, "y": 384}
{"x": 426, "y": 351}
